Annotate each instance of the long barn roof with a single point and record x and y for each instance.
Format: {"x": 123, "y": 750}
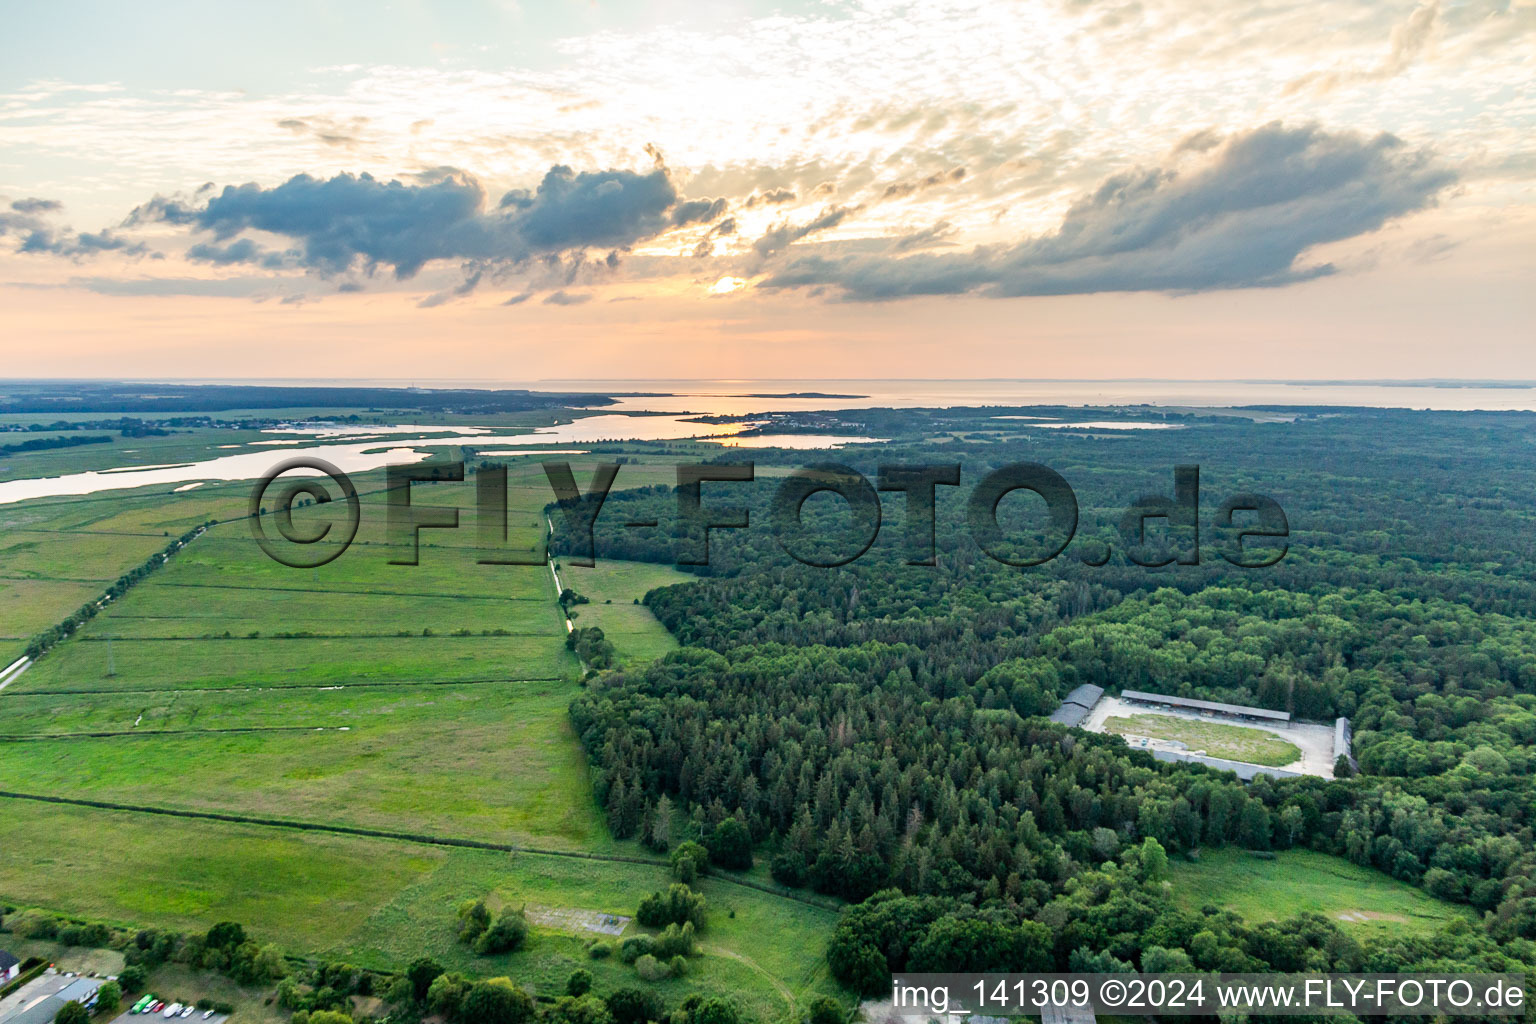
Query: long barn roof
{"x": 1206, "y": 705}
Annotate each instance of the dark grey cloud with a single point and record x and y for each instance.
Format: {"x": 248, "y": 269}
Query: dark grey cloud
{"x": 25, "y": 221}
{"x": 359, "y": 222}
{"x": 37, "y": 206}
{"x": 242, "y": 250}
{"x": 1240, "y": 220}
{"x": 698, "y": 211}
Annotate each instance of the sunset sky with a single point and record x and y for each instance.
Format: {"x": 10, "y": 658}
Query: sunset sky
{"x": 1166, "y": 188}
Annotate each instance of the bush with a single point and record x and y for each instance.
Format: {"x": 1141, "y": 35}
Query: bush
{"x": 108, "y": 997}
{"x": 497, "y": 1001}
{"x": 34, "y": 924}
{"x": 634, "y": 947}
{"x": 72, "y": 1012}
{"x": 225, "y": 935}
{"x": 132, "y": 979}
{"x": 714, "y": 1010}
{"x": 678, "y": 965}
{"x": 600, "y": 949}
{"x": 422, "y": 972}
{"x": 678, "y": 905}
{"x": 635, "y": 1006}
{"x": 579, "y": 983}
{"x": 509, "y": 931}
{"x": 689, "y": 861}
{"x": 445, "y": 996}
{"x": 474, "y": 919}
{"x": 675, "y": 941}
{"x": 825, "y": 1010}
{"x": 651, "y": 969}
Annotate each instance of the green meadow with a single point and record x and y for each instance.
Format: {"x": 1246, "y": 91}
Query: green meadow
{"x": 497, "y": 762}
{"x": 382, "y": 903}
{"x": 1360, "y": 899}
{"x": 428, "y": 699}
{"x": 614, "y": 590}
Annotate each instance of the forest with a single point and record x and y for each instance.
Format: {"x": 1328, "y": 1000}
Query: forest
{"x": 877, "y": 730}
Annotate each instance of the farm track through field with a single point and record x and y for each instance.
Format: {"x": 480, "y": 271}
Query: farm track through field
{"x": 779, "y": 986}
{"x": 404, "y": 837}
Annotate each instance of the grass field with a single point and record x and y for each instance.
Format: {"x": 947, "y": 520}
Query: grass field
{"x": 613, "y": 589}
{"x": 1295, "y": 881}
{"x": 429, "y": 698}
{"x": 381, "y": 903}
{"x": 1234, "y": 742}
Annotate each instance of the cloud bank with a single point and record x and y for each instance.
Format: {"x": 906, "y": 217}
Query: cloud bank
{"x": 352, "y": 221}
{"x": 1242, "y": 219}
{"x": 25, "y": 221}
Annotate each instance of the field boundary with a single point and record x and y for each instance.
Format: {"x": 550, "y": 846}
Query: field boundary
{"x": 289, "y": 686}
{"x": 405, "y": 837}
{"x": 130, "y": 733}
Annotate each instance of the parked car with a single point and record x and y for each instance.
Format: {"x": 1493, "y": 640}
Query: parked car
{"x": 207, "y": 1014}
{"x": 187, "y": 1011}
{"x": 172, "y": 1010}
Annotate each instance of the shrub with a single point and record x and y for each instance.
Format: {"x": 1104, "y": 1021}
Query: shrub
{"x": 634, "y": 947}
{"x": 651, "y": 969}
{"x": 825, "y": 1010}
{"x": 474, "y": 919}
{"x": 34, "y": 924}
{"x": 675, "y": 940}
{"x": 635, "y": 1006}
{"x": 225, "y": 935}
{"x": 108, "y": 997}
{"x": 600, "y": 949}
{"x": 445, "y": 996}
{"x": 422, "y": 972}
{"x": 72, "y": 1012}
{"x": 497, "y": 1001}
{"x": 509, "y": 931}
{"x": 678, "y": 905}
{"x": 579, "y": 983}
{"x": 689, "y": 861}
